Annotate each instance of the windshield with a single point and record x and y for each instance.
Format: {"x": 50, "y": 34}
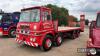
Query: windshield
{"x": 98, "y": 20}
{"x": 30, "y": 16}
{"x": 0, "y": 17}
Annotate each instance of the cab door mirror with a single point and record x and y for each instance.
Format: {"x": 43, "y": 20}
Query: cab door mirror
{"x": 92, "y": 25}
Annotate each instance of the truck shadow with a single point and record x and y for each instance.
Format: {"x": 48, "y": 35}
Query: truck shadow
{"x": 29, "y": 48}
{"x": 4, "y": 37}
{"x": 36, "y": 50}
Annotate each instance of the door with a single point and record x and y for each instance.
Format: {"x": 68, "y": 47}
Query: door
{"x": 47, "y": 20}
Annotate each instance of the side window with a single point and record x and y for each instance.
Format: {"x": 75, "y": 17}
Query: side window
{"x": 45, "y": 14}
{"x": 35, "y": 15}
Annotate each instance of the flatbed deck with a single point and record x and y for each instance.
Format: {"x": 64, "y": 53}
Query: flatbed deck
{"x": 64, "y": 29}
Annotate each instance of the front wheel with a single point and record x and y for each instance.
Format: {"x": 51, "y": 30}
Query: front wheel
{"x": 47, "y": 44}
{"x": 12, "y": 33}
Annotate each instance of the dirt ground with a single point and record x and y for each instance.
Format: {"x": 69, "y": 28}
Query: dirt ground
{"x": 9, "y": 47}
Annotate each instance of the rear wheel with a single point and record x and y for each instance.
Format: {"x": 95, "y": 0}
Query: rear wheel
{"x": 73, "y": 35}
{"x": 12, "y": 33}
{"x": 78, "y": 33}
{"x": 58, "y": 40}
{"x": 47, "y": 43}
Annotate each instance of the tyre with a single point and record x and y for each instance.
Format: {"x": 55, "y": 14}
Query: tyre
{"x": 47, "y": 43}
{"x": 58, "y": 40}
{"x": 12, "y": 33}
{"x": 73, "y": 35}
{"x": 78, "y": 34}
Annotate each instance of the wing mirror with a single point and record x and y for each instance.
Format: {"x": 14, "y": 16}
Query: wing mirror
{"x": 93, "y": 24}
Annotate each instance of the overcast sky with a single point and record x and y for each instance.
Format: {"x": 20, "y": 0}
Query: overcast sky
{"x": 75, "y": 7}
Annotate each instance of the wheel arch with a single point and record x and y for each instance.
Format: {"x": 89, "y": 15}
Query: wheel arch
{"x": 13, "y": 27}
{"x": 50, "y": 34}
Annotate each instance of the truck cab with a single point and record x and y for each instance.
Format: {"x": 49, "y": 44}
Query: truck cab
{"x": 93, "y": 44}
{"x": 8, "y": 22}
{"x": 35, "y": 27}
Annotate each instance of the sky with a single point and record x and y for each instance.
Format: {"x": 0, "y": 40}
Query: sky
{"x": 75, "y": 7}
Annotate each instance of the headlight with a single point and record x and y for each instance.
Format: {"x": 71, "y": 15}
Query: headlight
{"x": 35, "y": 27}
{"x": 93, "y": 51}
{"x": 28, "y": 32}
{"x": 33, "y": 39}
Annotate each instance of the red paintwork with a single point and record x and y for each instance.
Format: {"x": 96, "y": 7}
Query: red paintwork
{"x": 7, "y": 31}
{"x": 82, "y": 23}
{"x": 42, "y": 27}
{"x": 94, "y": 36}
{"x": 4, "y": 32}
{"x": 68, "y": 29}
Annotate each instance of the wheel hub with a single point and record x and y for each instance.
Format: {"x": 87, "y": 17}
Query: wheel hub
{"x": 13, "y": 33}
{"x": 59, "y": 40}
{"x": 48, "y": 43}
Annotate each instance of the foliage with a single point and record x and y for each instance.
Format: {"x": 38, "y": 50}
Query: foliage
{"x": 59, "y": 13}
{"x": 72, "y": 18}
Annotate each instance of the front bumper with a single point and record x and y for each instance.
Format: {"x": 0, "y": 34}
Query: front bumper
{"x": 97, "y": 48}
{"x": 97, "y": 52}
{"x": 26, "y": 42}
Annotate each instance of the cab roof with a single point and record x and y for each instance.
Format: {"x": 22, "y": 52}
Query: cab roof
{"x": 36, "y": 7}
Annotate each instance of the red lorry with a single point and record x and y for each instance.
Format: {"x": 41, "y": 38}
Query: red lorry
{"x": 93, "y": 43}
{"x": 36, "y": 28}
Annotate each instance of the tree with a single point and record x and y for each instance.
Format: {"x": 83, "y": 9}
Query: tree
{"x": 59, "y": 13}
{"x": 72, "y": 18}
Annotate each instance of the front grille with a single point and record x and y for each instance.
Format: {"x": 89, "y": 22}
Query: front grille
{"x": 25, "y": 32}
{"x": 24, "y": 27}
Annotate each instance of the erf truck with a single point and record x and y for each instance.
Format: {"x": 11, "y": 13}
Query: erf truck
{"x": 36, "y": 28}
{"x": 8, "y": 23}
{"x": 93, "y": 43}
